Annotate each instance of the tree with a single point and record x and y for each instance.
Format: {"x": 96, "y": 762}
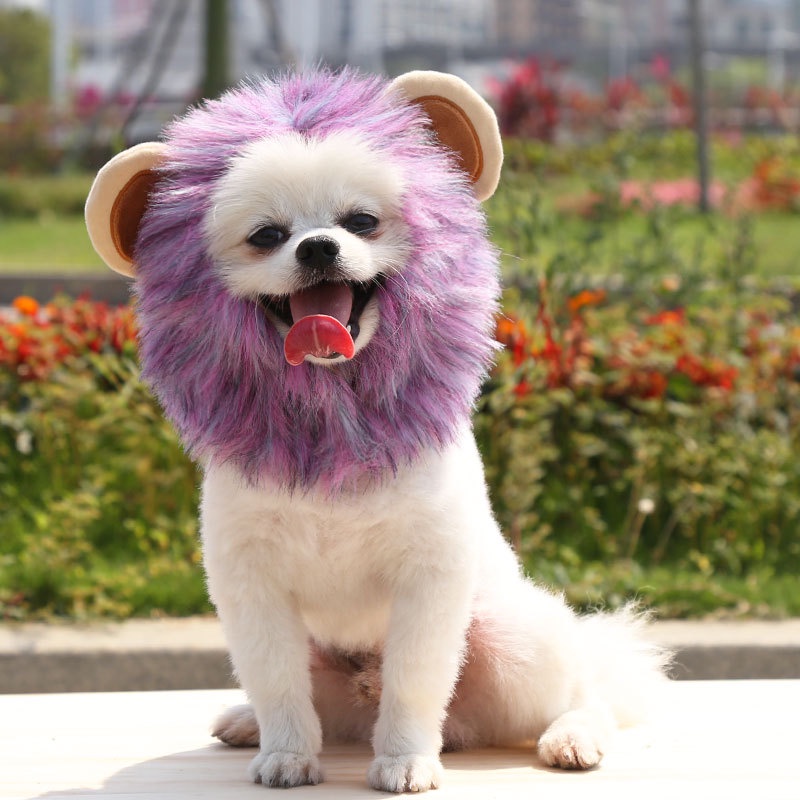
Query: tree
{"x": 697, "y": 33}
{"x": 216, "y": 79}
{"x": 24, "y": 56}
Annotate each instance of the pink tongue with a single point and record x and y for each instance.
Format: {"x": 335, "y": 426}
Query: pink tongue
{"x": 320, "y": 315}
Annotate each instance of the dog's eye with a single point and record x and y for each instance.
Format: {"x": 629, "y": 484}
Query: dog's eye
{"x": 268, "y": 237}
{"x": 360, "y": 223}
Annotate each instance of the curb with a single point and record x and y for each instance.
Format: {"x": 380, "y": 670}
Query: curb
{"x": 147, "y": 655}
{"x": 751, "y": 649}
{"x": 138, "y": 655}
{"x": 105, "y": 286}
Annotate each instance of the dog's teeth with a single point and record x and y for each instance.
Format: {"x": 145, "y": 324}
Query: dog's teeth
{"x": 348, "y": 329}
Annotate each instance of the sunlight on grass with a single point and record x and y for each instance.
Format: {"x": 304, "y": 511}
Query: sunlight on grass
{"x": 61, "y": 244}
{"x": 47, "y": 244}
{"x": 676, "y": 591}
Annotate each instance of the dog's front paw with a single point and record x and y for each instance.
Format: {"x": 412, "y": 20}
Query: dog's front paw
{"x": 407, "y": 773}
{"x": 567, "y": 748}
{"x": 284, "y": 770}
{"x": 237, "y": 726}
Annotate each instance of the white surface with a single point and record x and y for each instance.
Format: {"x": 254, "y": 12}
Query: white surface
{"x": 735, "y": 739}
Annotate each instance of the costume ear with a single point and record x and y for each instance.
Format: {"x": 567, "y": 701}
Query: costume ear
{"x": 463, "y": 121}
{"x": 117, "y": 202}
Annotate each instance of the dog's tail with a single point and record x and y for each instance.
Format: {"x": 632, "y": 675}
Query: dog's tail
{"x": 629, "y": 669}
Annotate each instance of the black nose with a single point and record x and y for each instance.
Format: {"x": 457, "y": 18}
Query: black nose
{"x": 317, "y": 252}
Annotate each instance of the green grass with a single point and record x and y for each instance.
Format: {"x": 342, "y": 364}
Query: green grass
{"x": 534, "y": 233}
{"x": 672, "y": 591}
{"x": 61, "y": 244}
{"x": 686, "y": 240}
{"x": 777, "y": 243}
{"x": 41, "y": 224}
{"x": 46, "y": 244}
{"x": 42, "y": 228}
{"x": 29, "y": 196}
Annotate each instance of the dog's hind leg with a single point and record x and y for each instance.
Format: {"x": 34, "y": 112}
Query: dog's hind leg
{"x": 494, "y": 705}
{"x": 535, "y": 670}
{"x": 237, "y": 726}
{"x": 347, "y": 690}
{"x": 346, "y": 694}
{"x": 620, "y": 684}
{"x": 578, "y": 738}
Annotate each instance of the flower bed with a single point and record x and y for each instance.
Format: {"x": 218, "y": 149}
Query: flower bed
{"x": 37, "y": 339}
{"x": 97, "y": 500}
{"x": 542, "y": 99}
{"x": 615, "y": 430}
{"x": 623, "y": 432}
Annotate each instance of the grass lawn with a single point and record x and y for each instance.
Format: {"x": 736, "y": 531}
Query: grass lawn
{"x": 672, "y": 591}
{"x": 534, "y": 232}
{"x": 777, "y": 243}
{"x": 61, "y": 244}
{"x": 773, "y": 241}
{"x": 46, "y": 244}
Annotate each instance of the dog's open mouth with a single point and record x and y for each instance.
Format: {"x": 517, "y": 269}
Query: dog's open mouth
{"x": 323, "y": 319}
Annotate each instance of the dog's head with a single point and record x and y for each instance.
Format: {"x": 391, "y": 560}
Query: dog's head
{"x": 313, "y": 241}
{"x": 316, "y": 290}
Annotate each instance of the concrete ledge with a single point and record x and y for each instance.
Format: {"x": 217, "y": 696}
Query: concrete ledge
{"x": 145, "y": 655}
{"x": 104, "y": 286}
{"x": 731, "y": 650}
{"x": 139, "y": 655}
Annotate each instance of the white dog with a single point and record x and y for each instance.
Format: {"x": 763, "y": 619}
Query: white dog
{"x": 316, "y": 295}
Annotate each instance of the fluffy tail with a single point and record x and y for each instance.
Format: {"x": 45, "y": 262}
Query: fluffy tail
{"x": 629, "y": 670}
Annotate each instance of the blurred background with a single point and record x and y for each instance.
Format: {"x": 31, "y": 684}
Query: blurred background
{"x": 642, "y": 424}
{"x": 123, "y": 67}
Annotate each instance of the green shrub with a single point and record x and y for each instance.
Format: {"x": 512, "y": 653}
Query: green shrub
{"x": 97, "y": 501}
{"x": 34, "y": 196}
{"x": 631, "y": 447}
{"x": 613, "y": 431}
{"x": 646, "y": 155}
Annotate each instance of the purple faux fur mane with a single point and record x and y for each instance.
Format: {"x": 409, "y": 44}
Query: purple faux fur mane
{"x": 216, "y": 362}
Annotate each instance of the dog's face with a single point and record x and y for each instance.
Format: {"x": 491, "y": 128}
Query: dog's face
{"x": 315, "y": 240}
{"x": 316, "y": 290}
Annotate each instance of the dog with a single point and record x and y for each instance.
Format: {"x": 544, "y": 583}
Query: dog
{"x": 316, "y": 294}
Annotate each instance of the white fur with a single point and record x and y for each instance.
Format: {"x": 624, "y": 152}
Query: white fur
{"x": 410, "y": 569}
{"x": 306, "y": 186}
{"x": 415, "y": 576}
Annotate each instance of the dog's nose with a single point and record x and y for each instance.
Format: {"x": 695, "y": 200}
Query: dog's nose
{"x": 317, "y": 252}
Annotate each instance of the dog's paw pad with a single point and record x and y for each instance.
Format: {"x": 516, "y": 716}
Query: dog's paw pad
{"x": 407, "y": 773}
{"x": 569, "y": 749}
{"x": 285, "y": 770}
{"x": 237, "y": 726}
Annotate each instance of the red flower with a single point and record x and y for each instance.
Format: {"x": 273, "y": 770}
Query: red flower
{"x": 647, "y": 384}
{"x": 713, "y": 373}
{"x": 32, "y": 348}
{"x": 512, "y": 333}
{"x": 588, "y": 297}
{"x": 26, "y": 305}
{"x": 530, "y": 101}
{"x": 622, "y": 92}
{"x": 523, "y": 388}
{"x": 673, "y": 316}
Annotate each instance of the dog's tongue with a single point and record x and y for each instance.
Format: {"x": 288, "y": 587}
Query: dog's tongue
{"x": 320, "y": 315}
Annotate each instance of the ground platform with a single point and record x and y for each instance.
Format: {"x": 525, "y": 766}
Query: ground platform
{"x": 714, "y": 739}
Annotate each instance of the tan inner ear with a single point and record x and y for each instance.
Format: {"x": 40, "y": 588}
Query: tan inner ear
{"x": 128, "y": 210}
{"x": 456, "y": 131}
